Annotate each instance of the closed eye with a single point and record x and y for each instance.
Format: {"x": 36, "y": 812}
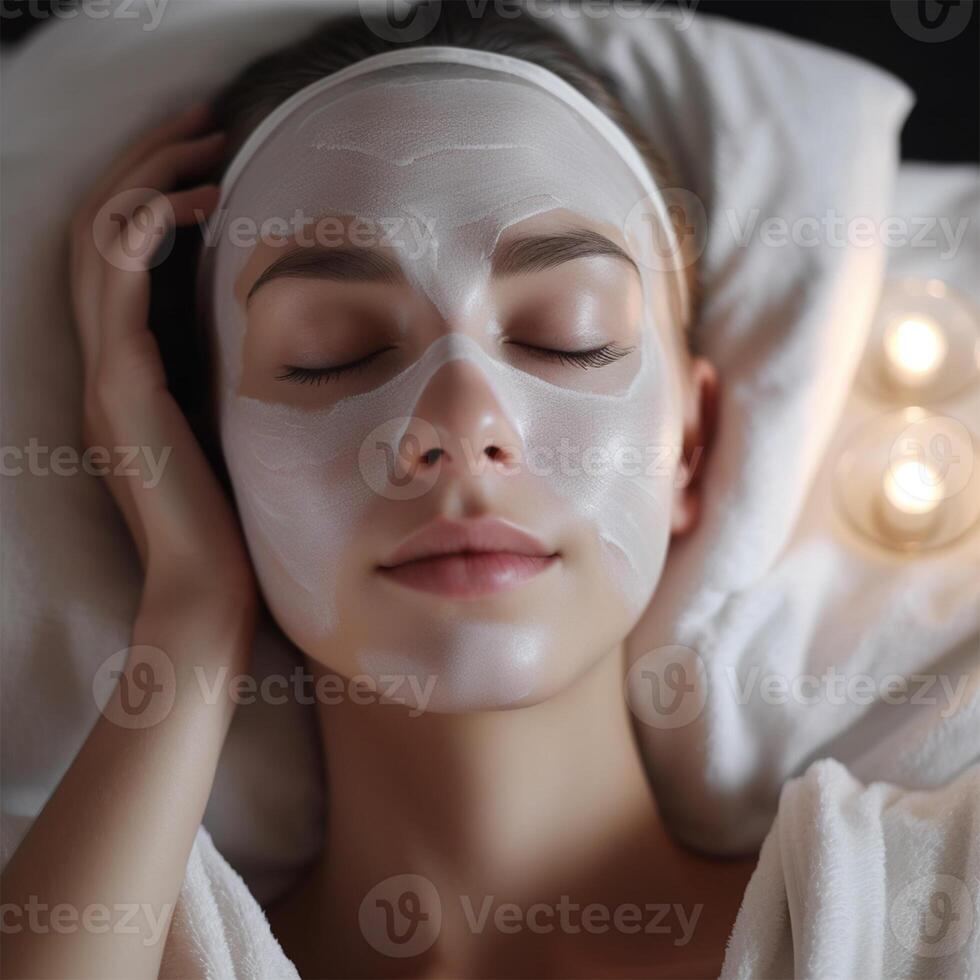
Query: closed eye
{"x": 321, "y": 375}
{"x": 594, "y": 357}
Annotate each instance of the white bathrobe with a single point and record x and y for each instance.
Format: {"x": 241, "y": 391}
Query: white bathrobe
{"x": 853, "y": 881}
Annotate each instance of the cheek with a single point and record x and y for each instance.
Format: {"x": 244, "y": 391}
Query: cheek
{"x": 299, "y": 504}
{"x": 614, "y": 461}
{"x": 315, "y": 508}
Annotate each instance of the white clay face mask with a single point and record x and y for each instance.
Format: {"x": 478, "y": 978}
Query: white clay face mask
{"x": 461, "y": 145}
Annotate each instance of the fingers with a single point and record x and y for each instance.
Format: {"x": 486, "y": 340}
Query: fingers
{"x": 178, "y": 129}
{"x": 129, "y": 361}
{"x": 184, "y": 126}
{"x": 116, "y": 239}
{"x": 127, "y": 241}
{"x": 118, "y": 232}
{"x": 126, "y": 383}
{"x": 168, "y": 165}
{"x": 126, "y": 279}
{"x": 151, "y": 164}
{"x": 159, "y": 172}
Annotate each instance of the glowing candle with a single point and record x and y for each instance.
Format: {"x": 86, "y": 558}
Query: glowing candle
{"x": 911, "y": 494}
{"x": 915, "y": 348}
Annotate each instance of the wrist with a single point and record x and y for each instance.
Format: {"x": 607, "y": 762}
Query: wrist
{"x": 197, "y": 626}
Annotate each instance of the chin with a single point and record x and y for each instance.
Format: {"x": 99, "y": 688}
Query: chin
{"x": 435, "y": 654}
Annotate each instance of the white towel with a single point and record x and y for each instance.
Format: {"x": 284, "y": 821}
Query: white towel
{"x": 864, "y": 881}
{"x": 852, "y": 881}
{"x": 218, "y": 930}
{"x": 831, "y": 610}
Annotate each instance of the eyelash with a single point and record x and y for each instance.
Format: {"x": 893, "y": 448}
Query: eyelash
{"x": 596, "y": 357}
{"x": 319, "y": 376}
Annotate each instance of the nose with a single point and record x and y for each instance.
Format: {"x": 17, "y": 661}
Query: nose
{"x": 467, "y": 425}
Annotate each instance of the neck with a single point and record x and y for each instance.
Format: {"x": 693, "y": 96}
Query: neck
{"x": 502, "y": 796}
{"x": 527, "y": 809}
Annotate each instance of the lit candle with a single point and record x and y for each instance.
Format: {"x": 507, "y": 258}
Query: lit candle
{"x": 915, "y": 348}
{"x": 911, "y": 494}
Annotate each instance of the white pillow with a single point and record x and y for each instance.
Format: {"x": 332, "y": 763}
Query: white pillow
{"x": 751, "y": 119}
{"x": 795, "y": 666}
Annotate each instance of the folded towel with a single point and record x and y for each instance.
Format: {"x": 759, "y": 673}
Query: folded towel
{"x": 776, "y": 657}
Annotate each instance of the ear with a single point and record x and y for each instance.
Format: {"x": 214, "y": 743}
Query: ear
{"x": 700, "y": 419}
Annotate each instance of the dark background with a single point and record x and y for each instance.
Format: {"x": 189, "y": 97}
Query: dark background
{"x": 945, "y": 123}
{"x": 945, "y": 75}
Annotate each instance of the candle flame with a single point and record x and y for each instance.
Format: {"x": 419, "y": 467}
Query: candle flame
{"x": 915, "y": 346}
{"x": 913, "y": 487}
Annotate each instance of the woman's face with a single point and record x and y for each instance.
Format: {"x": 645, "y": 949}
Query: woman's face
{"x": 409, "y": 375}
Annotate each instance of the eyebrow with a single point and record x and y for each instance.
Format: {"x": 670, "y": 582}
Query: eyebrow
{"x": 340, "y": 264}
{"x": 529, "y": 254}
{"x": 535, "y": 253}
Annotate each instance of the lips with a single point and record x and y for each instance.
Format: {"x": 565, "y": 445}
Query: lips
{"x": 467, "y": 559}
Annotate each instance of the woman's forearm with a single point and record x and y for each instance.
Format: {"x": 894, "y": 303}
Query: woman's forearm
{"x": 91, "y": 890}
